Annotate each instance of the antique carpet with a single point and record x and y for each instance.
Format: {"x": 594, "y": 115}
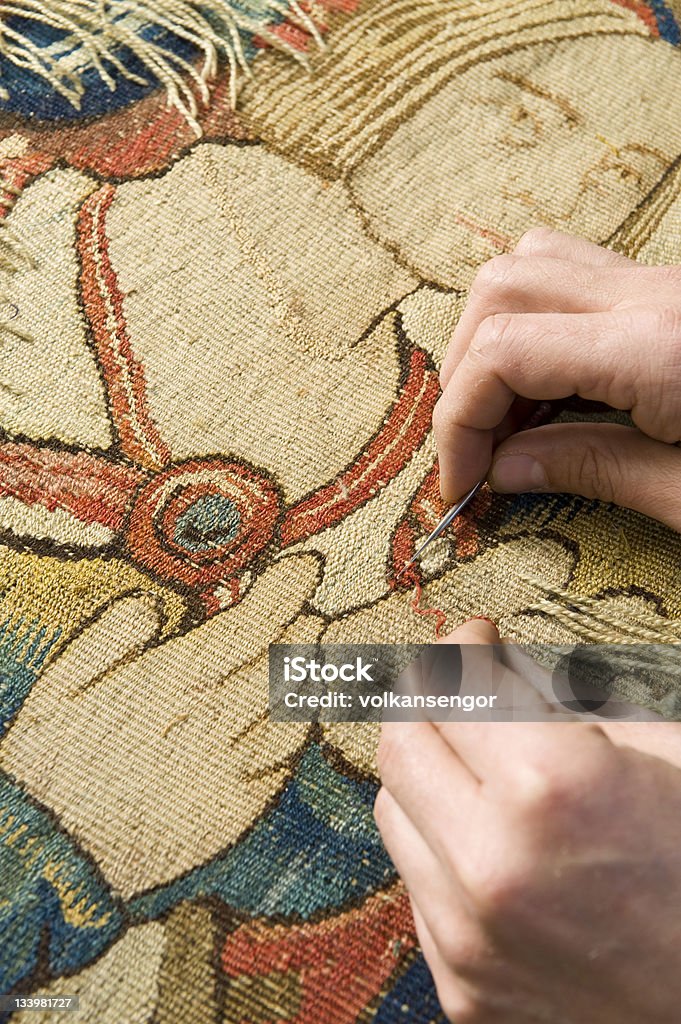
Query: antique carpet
{"x": 236, "y": 236}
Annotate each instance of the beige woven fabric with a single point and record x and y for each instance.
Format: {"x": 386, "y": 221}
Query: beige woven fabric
{"x": 215, "y": 398}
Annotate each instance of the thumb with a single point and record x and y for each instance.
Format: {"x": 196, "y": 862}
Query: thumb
{"x": 604, "y": 461}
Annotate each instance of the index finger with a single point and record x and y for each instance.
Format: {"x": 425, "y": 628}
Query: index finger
{"x": 541, "y": 356}
{"x": 538, "y": 245}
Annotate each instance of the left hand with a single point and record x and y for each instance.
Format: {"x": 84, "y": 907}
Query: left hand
{"x": 543, "y": 863}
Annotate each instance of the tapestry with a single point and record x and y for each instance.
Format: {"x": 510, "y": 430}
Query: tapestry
{"x": 236, "y": 236}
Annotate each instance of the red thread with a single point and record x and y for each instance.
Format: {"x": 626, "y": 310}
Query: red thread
{"x": 402, "y": 550}
{"x": 403, "y": 547}
{"x": 86, "y": 486}
{"x": 440, "y": 617}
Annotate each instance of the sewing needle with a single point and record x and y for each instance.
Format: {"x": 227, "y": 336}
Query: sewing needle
{"x": 447, "y": 518}
{"x": 538, "y": 417}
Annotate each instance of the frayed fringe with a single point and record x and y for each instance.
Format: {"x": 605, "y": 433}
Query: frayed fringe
{"x": 214, "y": 27}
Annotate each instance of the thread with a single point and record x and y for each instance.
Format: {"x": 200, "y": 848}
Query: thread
{"x": 588, "y": 617}
{"x": 440, "y": 618}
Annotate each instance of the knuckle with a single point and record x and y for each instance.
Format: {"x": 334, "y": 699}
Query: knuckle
{"x": 492, "y": 879}
{"x": 498, "y": 891}
{"x": 450, "y": 943}
{"x": 444, "y": 420}
{"x": 440, "y": 418}
{"x": 449, "y": 947}
{"x": 438, "y": 413}
{"x": 540, "y": 789}
{"x": 493, "y": 275}
{"x": 547, "y": 791}
{"x": 467, "y": 1012}
{"x": 489, "y": 336}
{"x": 655, "y": 400}
{"x": 536, "y": 240}
{"x": 460, "y": 945}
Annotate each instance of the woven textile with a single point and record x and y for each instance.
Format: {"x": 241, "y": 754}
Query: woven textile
{"x": 236, "y": 239}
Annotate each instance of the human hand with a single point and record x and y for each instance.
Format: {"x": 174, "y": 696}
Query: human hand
{"x": 542, "y": 862}
{"x": 556, "y": 317}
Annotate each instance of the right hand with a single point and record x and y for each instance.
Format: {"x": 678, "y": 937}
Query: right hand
{"x": 561, "y": 316}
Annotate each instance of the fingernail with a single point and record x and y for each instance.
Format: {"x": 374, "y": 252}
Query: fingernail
{"x": 518, "y": 473}
{"x": 484, "y": 618}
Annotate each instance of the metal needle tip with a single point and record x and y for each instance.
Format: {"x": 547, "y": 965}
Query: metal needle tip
{"x": 447, "y": 518}
{"x": 539, "y": 417}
